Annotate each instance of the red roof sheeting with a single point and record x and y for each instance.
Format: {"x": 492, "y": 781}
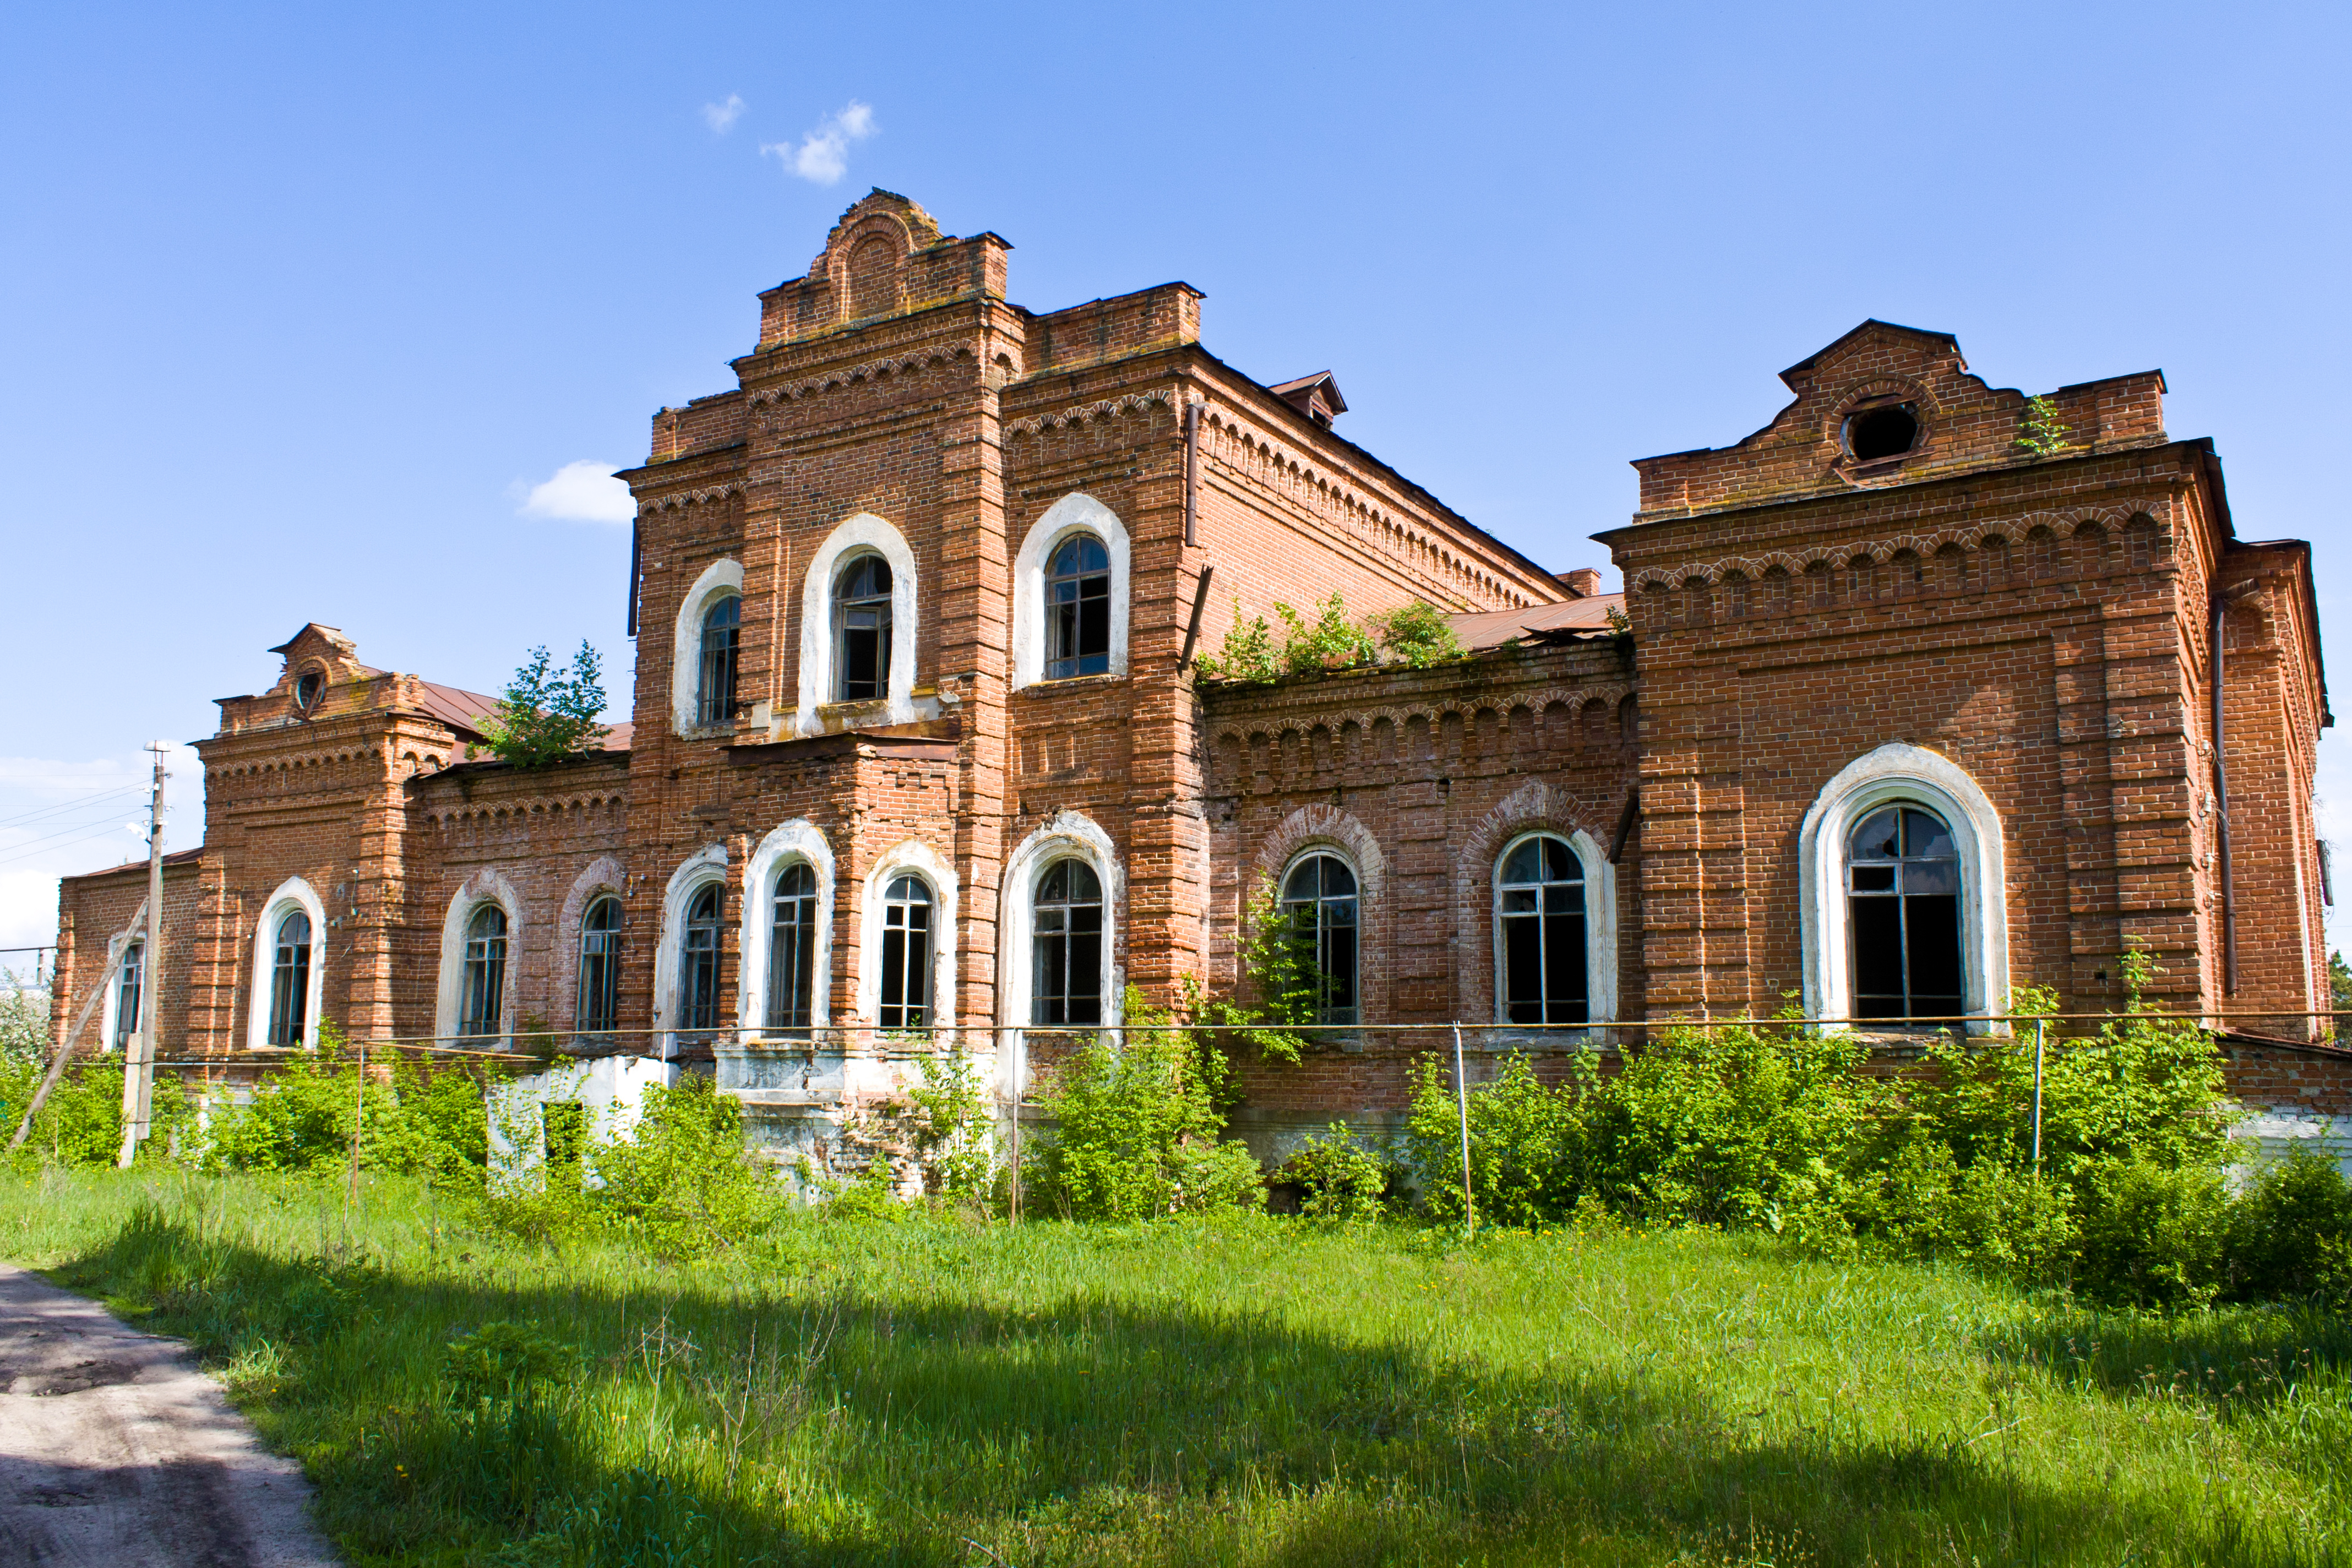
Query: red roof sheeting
{"x": 1537, "y": 623}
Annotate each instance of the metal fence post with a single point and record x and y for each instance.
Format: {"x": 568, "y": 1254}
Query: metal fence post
{"x": 1461, "y": 1098}
{"x": 2039, "y": 1026}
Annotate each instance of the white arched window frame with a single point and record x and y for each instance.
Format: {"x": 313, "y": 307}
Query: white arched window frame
{"x": 914, "y": 857}
{"x": 1600, "y": 920}
{"x": 113, "y": 1028}
{"x": 797, "y": 842}
{"x": 1073, "y": 514}
{"x": 604, "y": 878}
{"x": 1894, "y": 772}
{"x": 292, "y": 894}
{"x": 720, "y": 580}
{"x": 1069, "y": 836}
{"x": 860, "y": 535}
{"x": 484, "y": 887}
{"x": 705, "y": 867}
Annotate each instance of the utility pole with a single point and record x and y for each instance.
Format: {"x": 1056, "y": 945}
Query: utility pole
{"x": 139, "y": 1066}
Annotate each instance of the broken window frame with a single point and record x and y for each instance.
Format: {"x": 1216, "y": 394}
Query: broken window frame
{"x": 722, "y": 631}
{"x": 127, "y": 988}
{"x": 909, "y": 935}
{"x": 289, "y": 979}
{"x": 1922, "y": 893}
{"x": 482, "y": 984}
{"x": 1550, "y": 911}
{"x": 697, "y": 959}
{"x": 862, "y": 608}
{"x": 1326, "y": 917}
{"x": 791, "y": 951}
{"x": 597, "y": 1005}
{"x": 1078, "y": 608}
{"x": 1066, "y": 945}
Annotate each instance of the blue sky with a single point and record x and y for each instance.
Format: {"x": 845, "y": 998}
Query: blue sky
{"x": 298, "y": 307}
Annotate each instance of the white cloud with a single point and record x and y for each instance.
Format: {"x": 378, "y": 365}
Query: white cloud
{"x": 62, "y": 818}
{"x": 584, "y": 491}
{"x": 823, "y": 156}
{"x": 722, "y": 116}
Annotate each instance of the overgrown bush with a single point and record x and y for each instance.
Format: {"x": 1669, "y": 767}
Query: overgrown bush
{"x": 682, "y": 1179}
{"x": 2152, "y": 1234}
{"x": 2291, "y": 1234}
{"x": 412, "y": 1118}
{"x": 1339, "y": 1178}
{"x": 1136, "y": 1130}
{"x": 81, "y": 1121}
{"x": 1527, "y": 1144}
{"x": 2001, "y": 1218}
{"x": 1417, "y": 636}
{"x": 952, "y": 1129}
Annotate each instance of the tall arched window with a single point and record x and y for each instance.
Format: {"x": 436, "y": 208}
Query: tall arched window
{"x": 482, "y": 997}
{"x": 600, "y": 966}
{"x": 1318, "y": 897}
{"x": 697, "y": 968}
{"x": 1078, "y": 609}
{"x": 1540, "y": 934}
{"x": 126, "y": 997}
{"x": 791, "y": 952}
{"x": 289, "y": 980}
{"x": 723, "y": 624}
{"x": 1067, "y": 945}
{"x": 861, "y": 629}
{"x": 1903, "y": 915}
{"x": 906, "y": 955}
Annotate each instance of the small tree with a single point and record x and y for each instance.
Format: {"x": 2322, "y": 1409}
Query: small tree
{"x": 1416, "y": 635}
{"x": 544, "y": 718}
{"x": 2041, "y": 431}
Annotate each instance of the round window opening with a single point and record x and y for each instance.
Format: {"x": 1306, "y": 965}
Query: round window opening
{"x": 307, "y": 688}
{"x": 1886, "y": 432}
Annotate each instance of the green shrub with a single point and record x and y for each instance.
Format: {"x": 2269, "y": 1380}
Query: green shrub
{"x": 1417, "y": 636}
{"x": 1136, "y": 1130}
{"x": 2291, "y": 1234}
{"x": 1248, "y": 655}
{"x": 503, "y": 1361}
{"x": 81, "y": 1121}
{"x": 1526, "y": 1140}
{"x": 2152, "y": 1234}
{"x": 1329, "y": 641}
{"x": 2001, "y": 1220}
{"x": 682, "y": 1179}
{"x": 953, "y": 1129}
{"x": 1337, "y": 1176}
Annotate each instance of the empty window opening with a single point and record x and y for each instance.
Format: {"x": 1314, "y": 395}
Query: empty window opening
{"x": 1886, "y": 432}
{"x": 791, "y": 952}
{"x": 600, "y": 967}
{"x": 1540, "y": 920}
{"x": 1066, "y": 953}
{"x": 1318, "y": 897}
{"x": 697, "y": 970}
{"x": 1903, "y": 912}
{"x": 722, "y": 626}
{"x": 1078, "y": 609}
{"x": 289, "y": 980}
{"x": 483, "y": 993}
{"x": 307, "y": 689}
{"x": 861, "y": 620}
{"x": 126, "y": 999}
{"x": 906, "y": 955}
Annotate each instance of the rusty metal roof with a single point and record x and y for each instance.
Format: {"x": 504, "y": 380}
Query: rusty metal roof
{"x": 1536, "y": 623}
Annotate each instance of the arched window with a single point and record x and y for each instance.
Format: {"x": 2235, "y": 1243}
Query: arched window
{"x": 289, "y": 980}
{"x": 906, "y": 955}
{"x": 791, "y": 952}
{"x": 1318, "y": 897}
{"x": 600, "y": 966}
{"x": 1078, "y": 609}
{"x": 126, "y": 998}
{"x": 1903, "y": 915}
{"x": 697, "y": 969}
{"x": 483, "y": 990}
{"x": 722, "y": 624}
{"x": 306, "y": 687}
{"x": 1539, "y": 943}
{"x": 1066, "y": 946}
{"x": 861, "y": 629}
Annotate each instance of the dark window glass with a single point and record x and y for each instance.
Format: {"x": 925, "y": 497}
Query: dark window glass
{"x": 289, "y": 980}
{"x": 482, "y": 992}
{"x": 697, "y": 970}
{"x": 1066, "y": 949}
{"x": 1320, "y": 899}
{"x": 307, "y": 689}
{"x": 1539, "y": 906}
{"x": 861, "y": 621}
{"x": 1903, "y": 912}
{"x": 906, "y": 954}
{"x": 791, "y": 952}
{"x": 722, "y": 624}
{"x": 1078, "y": 609}
{"x": 126, "y": 999}
{"x": 600, "y": 966}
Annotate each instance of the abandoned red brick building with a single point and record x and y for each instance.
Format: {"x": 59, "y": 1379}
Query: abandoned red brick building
{"x": 1911, "y": 697}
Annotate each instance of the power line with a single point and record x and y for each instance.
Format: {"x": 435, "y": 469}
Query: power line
{"x": 67, "y": 806}
{"x": 36, "y": 854}
{"x": 14, "y": 850}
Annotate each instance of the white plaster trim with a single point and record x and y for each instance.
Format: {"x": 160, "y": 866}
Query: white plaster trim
{"x": 604, "y": 875}
{"x": 718, "y": 579}
{"x": 1073, "y": 513}
{"x": 797, "y": 840}
{"x": 706, "y": 865}
{"x": 912, "y": 855}
{"x": 294, "y": 893}
{"x": 1600, "y": 920}
{"x": 1895, "y": 771}
{"x": 113, "y": 1004}
{"x": 1074, "y": 835}
{"x": 860, "y": 534}
{"x": 486, "y": 886}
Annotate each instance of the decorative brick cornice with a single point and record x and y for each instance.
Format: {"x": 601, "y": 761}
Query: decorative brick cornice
{"x": 895, "y": 365}
{"x": 700, "y": 497}
{"x": 1469, "y": 705}
{"x": 1105, "y": 408}
{"x": 2061, "y": 524}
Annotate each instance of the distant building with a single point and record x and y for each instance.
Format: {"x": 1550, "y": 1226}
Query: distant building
{"x": 1910, "y": 699}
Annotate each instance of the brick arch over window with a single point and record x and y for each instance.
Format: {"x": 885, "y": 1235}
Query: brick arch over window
{"x": 1327, "y": 826}
{"x": 1533, "y": 807}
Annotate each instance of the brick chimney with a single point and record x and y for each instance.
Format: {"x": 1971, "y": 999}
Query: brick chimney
{"x": 1580, "y": 584}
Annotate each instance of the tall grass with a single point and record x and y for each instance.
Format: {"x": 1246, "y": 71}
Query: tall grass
{"x": 1255, "y": 1391}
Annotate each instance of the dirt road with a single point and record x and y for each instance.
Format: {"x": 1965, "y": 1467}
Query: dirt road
{"x": 114, "y": 1450}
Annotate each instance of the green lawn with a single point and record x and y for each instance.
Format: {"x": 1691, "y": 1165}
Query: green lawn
{"x": 1261, "y": 1391}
